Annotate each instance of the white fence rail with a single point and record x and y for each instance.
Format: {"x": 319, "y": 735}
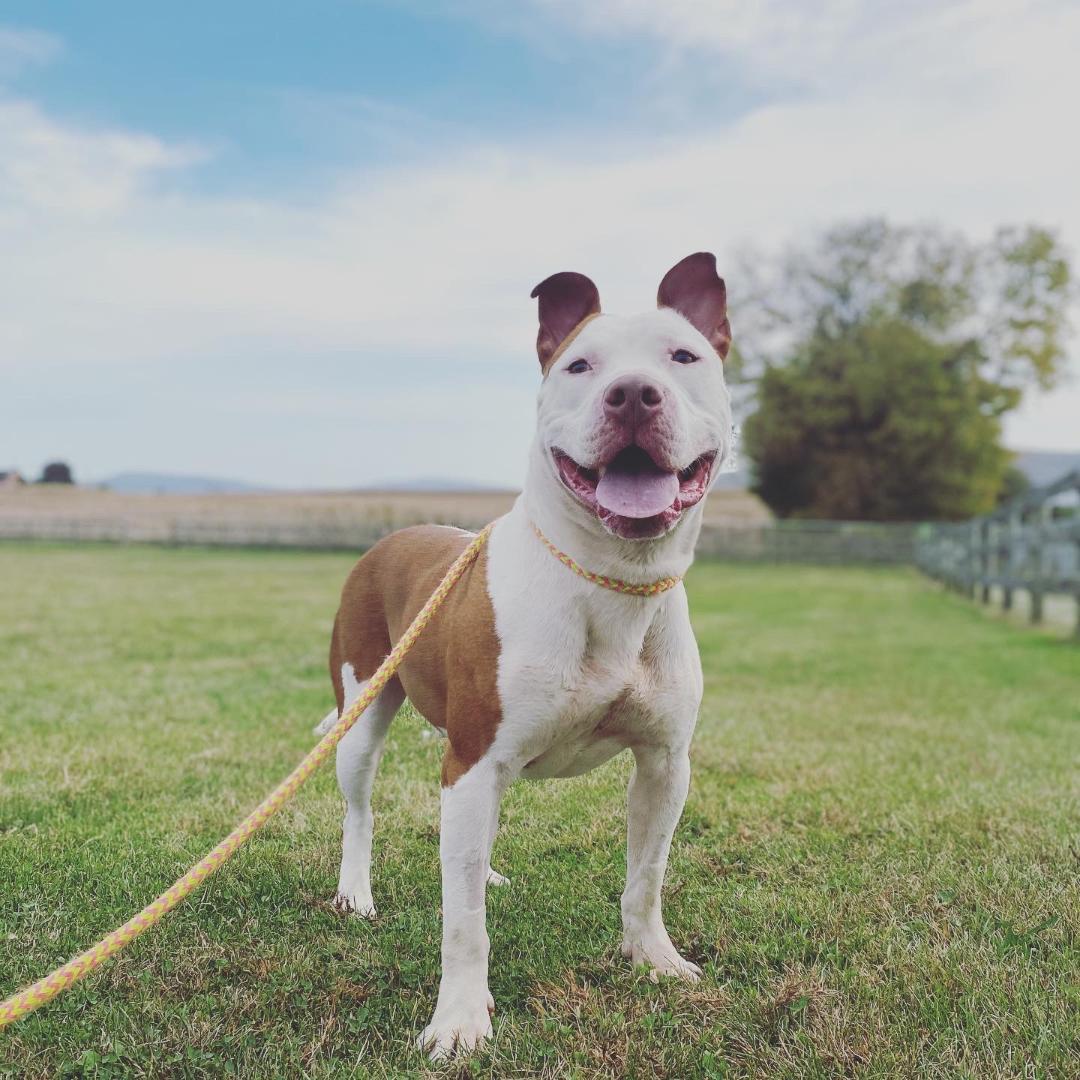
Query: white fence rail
{"x": 837, "y": 543}
{"x": 828, "y": 542}
{"x": 1031, "y": 544}
{"x": 314, "y": 534}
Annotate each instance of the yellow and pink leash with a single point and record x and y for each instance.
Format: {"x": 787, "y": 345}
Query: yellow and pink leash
{"x": 44, "y": 990}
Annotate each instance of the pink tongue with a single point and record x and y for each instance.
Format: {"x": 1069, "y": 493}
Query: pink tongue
{"x": 637, "y": 494}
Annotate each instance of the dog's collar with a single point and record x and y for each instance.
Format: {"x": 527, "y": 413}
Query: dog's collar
{"x": 649, "y": 588}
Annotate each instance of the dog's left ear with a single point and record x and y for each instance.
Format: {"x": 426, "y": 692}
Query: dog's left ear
{"x": 566, "y": 300}
{"x": 694, "y": 289}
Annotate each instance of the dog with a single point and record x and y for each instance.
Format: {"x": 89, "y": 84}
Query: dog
{"x": 568, "y": 640}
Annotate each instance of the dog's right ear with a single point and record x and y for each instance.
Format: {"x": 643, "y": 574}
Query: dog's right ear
{"x": 566, "y": 300}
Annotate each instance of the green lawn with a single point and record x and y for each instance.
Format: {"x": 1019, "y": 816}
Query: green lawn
{"x": 878, "y": 866}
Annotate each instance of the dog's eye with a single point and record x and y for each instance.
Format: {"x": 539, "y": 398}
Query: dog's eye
{"x": 578, "y": 366}
{"x": 683, "y": 356}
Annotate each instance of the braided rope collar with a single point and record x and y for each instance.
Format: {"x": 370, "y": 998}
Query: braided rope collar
{"x": 649, "y": 588}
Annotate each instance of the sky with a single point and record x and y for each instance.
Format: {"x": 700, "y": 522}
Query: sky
{"x": 293, "y": 244}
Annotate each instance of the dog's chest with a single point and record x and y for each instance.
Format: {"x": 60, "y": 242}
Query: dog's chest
{"x": 583, "y": 672}
{"x": 601, "y": 704}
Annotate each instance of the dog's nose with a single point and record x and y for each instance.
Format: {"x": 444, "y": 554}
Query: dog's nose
{"x": 632, "y": 397}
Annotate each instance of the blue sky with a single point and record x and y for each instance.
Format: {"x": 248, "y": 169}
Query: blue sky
{"x": 282, "y": 92}
{"x": 294, "y": 243}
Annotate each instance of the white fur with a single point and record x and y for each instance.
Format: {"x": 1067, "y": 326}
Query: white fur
{"x": 570, "y": 407}
{"x": 583, "y": 672}
{"x": 358, "y": 756}
{"x": 470, "y": 808}
{"x": 327, "y": 722}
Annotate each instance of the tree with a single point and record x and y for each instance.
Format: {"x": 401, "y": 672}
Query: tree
{"x": 878, "y": 423}
{"x": 1014, "y": 484}
{"x": 881, "y": 360}
{"x": 56, "y": 472}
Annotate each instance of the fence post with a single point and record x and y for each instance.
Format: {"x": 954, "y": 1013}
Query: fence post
{"x": 1076, "y": 585}
{"x": 970, "y": 586}
{"x": 1024, "y": 547}
{"x": 1036, "y": 586}
{"x": 1010, "y": 560}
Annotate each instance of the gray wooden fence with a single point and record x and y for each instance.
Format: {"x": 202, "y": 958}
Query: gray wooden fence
{"x": 835, "y": 543}
{"x": 825, "y": 542}
{"x": 1031, "y": 544}
{"x": 313, "y": 534}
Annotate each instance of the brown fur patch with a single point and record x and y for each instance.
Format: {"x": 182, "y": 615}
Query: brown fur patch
{"x": 450, "y": 673}
{"x": 565, "y": 344}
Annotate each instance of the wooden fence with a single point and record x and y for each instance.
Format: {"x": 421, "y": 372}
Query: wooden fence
{"x": 1031, "y": 544}
{"x": 826, "y": 542}
{"x": 314, "y": 534}
{"x": 833, "y": 543}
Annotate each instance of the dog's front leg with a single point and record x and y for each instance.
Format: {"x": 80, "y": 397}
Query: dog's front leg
{"x": 470, "y": 809}
{"x": 655, "y": 801}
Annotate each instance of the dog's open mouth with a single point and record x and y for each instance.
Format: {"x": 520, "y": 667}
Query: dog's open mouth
{"x": 633, "y": 496}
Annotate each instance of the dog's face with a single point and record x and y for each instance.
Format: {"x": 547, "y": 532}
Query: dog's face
{"x": 634, "y": 414}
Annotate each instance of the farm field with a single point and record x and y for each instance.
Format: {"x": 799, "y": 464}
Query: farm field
{"x": 288, "y": 517}
{"x": 878, "y": 868}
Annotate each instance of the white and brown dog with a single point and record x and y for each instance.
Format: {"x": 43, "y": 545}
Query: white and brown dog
{"x": 530, "y": 669}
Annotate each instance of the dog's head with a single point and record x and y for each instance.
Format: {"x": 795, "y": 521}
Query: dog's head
{"x": 634, "y": 415}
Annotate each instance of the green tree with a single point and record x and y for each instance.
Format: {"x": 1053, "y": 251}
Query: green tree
{"x": 1014, "y": 484}
{"x": 56, "y": 472}
{"x": 839, "y": 433}
{"x": 882, "y": 359}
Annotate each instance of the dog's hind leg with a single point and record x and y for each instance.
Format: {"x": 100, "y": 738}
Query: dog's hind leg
{"x": 357, "y": 760}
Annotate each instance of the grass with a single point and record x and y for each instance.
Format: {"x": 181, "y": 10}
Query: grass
{"x": 878, "y": 866}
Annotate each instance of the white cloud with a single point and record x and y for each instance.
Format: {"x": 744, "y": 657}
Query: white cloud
{"x": 829, "y": 46}
{"x": 47, "y": 167}
{"x": 22, "y": 48}
{"x": 958, "y": 114}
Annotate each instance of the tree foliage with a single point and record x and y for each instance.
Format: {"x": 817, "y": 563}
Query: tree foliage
{"x": 56, "y": 472}
{"x": 882, "y": 359}
{"x": 875, "y": 422}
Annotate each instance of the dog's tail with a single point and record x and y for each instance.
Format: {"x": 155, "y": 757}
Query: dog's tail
{"x": 327, "y": 722}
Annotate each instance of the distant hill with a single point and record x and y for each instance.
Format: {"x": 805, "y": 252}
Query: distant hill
{"x": 1043, "y": 467}
{"x": 137, "y": 483}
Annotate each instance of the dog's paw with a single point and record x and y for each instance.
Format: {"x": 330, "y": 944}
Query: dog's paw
{"x": 662, "y": 958}
{"x": 354, "y": 904}
{"x": 460, "y": 1027}
{"x": 496, "y": 879}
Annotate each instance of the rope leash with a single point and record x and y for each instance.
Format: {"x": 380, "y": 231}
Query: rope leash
{"x": 44, "y": 990}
